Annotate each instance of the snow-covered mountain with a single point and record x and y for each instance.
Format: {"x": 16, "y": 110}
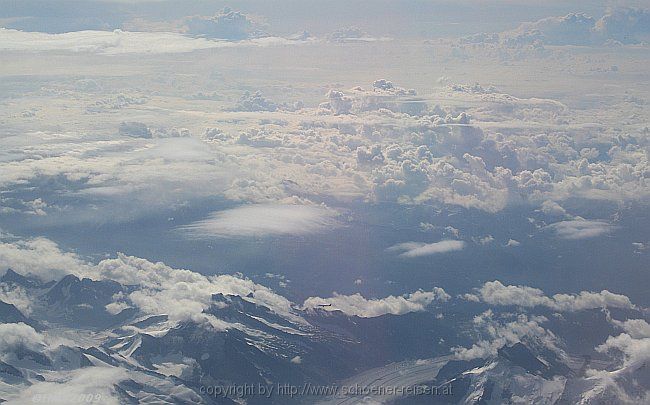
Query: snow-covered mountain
{"x": 74, "y": 342}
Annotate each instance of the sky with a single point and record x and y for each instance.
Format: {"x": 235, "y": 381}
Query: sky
{"x": 384, "y": 157}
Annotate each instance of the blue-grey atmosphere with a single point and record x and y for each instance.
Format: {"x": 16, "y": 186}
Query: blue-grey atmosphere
{"x": 324, "y": 202}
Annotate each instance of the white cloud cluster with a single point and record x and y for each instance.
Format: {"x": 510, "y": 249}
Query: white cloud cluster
{"x": 255, "y": 102}
{"x": 263, "y": 220}
{"x": 495, "y": 293}
{"x": 619, "y": 24}
{"x": 15, "y": 336}
{"x": 417, "y": 249}
{"x": 625, "y": 25}
{"x": 625, "y": 379}
{"x": 227, "y": 24}
{"x": 637, "y": 328}
{"x": 635, "y": 350}
{"x": 181, "y": 294}
{"x": 633, "y": 347}
{"x": 357, "y": 305}
{"x": 18, "y": 297}
{"x": 39, "y": 257}
{"x": 499, "y": 332}
{"x": 358, "y": 144}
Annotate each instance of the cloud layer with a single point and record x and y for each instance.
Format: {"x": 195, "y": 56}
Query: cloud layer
{"x": 120, "y": 42}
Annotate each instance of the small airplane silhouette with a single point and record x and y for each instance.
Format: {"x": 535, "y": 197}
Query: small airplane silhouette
{"x": 324, "y": 305}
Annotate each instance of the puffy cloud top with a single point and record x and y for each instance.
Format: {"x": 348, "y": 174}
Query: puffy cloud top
{"x": 622, "y": 24}
{"x": 495, "y": 293}
{"x": 228, "y": 24}
{"x": 357, "y": 305}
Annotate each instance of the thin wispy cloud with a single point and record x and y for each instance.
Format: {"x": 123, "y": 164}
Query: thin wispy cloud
{"x": 417, "y": 249}
{"x": 580, "y": 229}
{"x": 263, "y": 220}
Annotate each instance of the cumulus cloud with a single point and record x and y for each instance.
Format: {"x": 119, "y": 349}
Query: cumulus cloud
{"x": 624, "y": 24}
{"x": 495, "y": 293}
{"x": 636, "y": 328}
{"x": 227, "y": 24}
{"x": 14, "y": 336}
{"x": 183, "y": 294}
{"x": 570, "y": 29}
{"x": 619, "y": 24}
{"x": 18, "y": 297}
{"x": 499, "y": 332}
{"x": 263, "y": 220}
{"x": 357, "y": 305}
{"x": 550, "y": 207}
{"x": 513, "y": 243}
{"x": 636, "y": 351}
{"x": 632, "y": 351}
{"x": 358, "y": 144}
{"x": 39, "y": 257}
{"x": 417, "y": 249}
{"x": 580, "y": 229}
{"x": 339, "y": 102}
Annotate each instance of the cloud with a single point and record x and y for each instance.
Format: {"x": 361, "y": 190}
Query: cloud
{"x": 263, "y": 220}
{"x": 357, "y": 305}
{"x": 184, "y": 294}
{"x": 513, "y": 243}
{"x": 70, "y": 387}
{"x": 495, "y": 293}
{"x": 227, "y": 24}
{"x": 352, "y": 34}
{"x": 619, "y": 24}
{"x": 636, "y": 328}
{"x": 14, "y": 336}
{"x": 580, "y": 229}
{"x": 255, "y": 102}
{"x": 572, "y": 29}
{"x": 18, "y": 297}
{"x": 134, "y": 129}
{"x": 120, "y": 42}
{"x": 338, "y": 102}
{"x": 417, "y": 249}
{"x": 500, "y": 332}
{"x": 181, "y": 294}
{"x": 636, "y": 351}
{"x": 634, "y": 345}
{"x": 358, "y": 144}
{"x": 39, "y": 257}
{"x": 549, "y": 207}
{"x": 623, "y": 24}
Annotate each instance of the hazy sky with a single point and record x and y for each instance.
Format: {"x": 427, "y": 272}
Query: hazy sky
{"x": 472, "y": 172}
